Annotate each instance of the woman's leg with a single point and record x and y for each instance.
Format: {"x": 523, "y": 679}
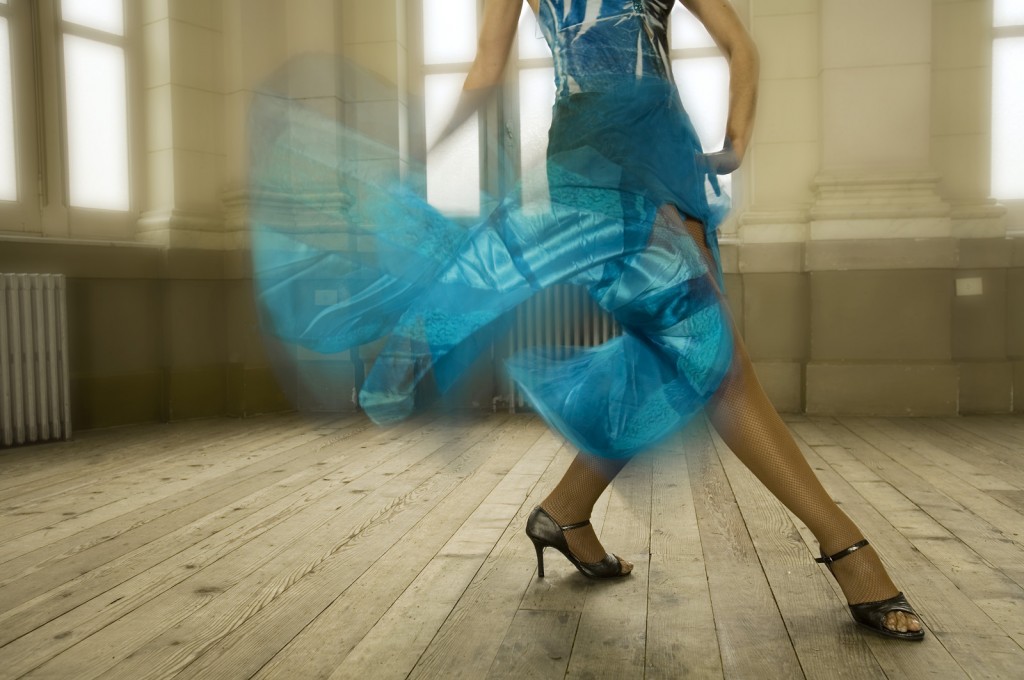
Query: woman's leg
{"x": 573, "y": 499}
{"x": 752, "y": 428}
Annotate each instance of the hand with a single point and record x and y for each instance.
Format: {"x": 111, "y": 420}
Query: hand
{"x": 722, "y": 162}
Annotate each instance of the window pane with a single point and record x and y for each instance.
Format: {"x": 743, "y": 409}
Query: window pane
{"x": 8, "y": 174}
{"x": 1007, "y": 113}
{"x": 453, "y": 168}
{"x": 531, "y": 41}
{"x": 1009, "y": 12}
{"x": 536, "y": 97}
{"x": 97, "y": 124}
{"x": 688, "y": 31}
{"x": 704, "y": 87}
{"x": 104, "y": 15}
{"x": 449, "y": 31}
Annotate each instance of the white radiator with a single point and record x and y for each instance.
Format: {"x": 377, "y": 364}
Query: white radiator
{"x": 557, "y": 317}
{"x": 34, "y": 400}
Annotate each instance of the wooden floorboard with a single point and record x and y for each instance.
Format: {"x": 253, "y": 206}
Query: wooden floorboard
{"x": 326, "y": 547}
{"x": 681, "y": 637}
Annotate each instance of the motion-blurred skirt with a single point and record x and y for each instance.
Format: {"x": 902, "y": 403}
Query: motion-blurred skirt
{"x": 328, "y": 215}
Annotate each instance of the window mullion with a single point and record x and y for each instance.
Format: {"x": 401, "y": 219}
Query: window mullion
{"x": 50, "y": 113}
{"x": 1008, "y": 32}
{"x": 21, "y": 214}
{"x": 454, "y": 67}
{"x": 68, "y": 28}
{"x": 503, "y": 171}
{"x": 537, "y": 62}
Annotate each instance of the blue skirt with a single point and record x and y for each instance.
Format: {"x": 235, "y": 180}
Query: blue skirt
{"x": 434, "y": 293}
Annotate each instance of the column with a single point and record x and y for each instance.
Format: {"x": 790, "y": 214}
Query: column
{"x": 783, "y": 161}
{"x": 184, "y": 113}
{"x": 881, "y": 252}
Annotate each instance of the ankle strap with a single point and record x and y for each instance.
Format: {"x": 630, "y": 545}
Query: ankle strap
{"x": 842, "y": 553}
{"x": 577, "y": 525}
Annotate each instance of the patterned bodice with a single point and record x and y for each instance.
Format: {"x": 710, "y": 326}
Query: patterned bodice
{"x": 596, "y": 43}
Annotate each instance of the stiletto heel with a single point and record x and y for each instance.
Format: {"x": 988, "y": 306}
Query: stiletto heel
{"x": 871, "y": 615}
{"x": 540, "y": 556}
{"x": 545, "y": 532}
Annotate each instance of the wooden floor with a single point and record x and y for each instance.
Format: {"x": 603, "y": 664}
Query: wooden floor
{"x": 286, "y": 547}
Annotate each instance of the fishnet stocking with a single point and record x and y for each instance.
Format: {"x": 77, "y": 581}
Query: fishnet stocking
{"x": 572, "y": 500}
{"x": 750, "y": 426}
{"x": 748, "y": 423}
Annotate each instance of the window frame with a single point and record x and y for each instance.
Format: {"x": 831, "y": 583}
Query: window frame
{"x": 16, "y": 216}
{"x": 43, "y": 207}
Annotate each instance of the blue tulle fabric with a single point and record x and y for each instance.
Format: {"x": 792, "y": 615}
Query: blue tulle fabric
{"x": 331, "y": 213}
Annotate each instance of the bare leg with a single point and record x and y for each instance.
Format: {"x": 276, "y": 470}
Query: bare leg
{"x": 751, "y": 427}
{"x": 572, "y": 500}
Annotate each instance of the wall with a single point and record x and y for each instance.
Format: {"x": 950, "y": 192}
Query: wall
{"x": 864, "y": 202}
{"x": 869, "y": 203}
{"x": 156, "y": 334}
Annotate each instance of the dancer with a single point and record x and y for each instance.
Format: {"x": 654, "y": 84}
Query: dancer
{"x": 630, "y": 219}
{"x": 739, "y": 409}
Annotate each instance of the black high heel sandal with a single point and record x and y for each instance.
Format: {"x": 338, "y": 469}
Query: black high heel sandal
{"x": 872, "y": 615}
{"x": 545, "y": 532}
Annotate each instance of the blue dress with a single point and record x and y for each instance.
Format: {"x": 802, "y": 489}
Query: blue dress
{"x": 434, "y": 292}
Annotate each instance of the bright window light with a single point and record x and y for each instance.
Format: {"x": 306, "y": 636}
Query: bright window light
{"x": 1007, "y": 113}
{"x": 536, "y": 97}
{"x": 453, "y": 168}
{"x": 449, "y": 31}
{"x": 704, "y": 88}
{"x": 687, "y": 31}
{"x": 103, "y": 15}
{"x": 532, "y": 44}
{"x": 8, "y": 173}
{"x": 1009, "y": 12}
{"x": 97, "y": 112}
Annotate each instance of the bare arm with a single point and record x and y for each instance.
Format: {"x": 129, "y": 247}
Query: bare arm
{"x": 500, "y": 21}
{"x": 501, "y": 18}
{"x": 721, "y": 21}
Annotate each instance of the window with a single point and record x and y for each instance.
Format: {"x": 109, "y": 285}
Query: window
{"x": 449, "y": 45}
{"x": 701, "y": 72}
{"x": 1008, "y": 101}
{"x": 64, "y": 118}
{"x": 96, "y": 103}
{"x": 702, "y": 75}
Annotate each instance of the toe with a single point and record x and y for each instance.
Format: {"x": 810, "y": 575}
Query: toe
{"x": 892, "y": 621}
{"x": 902, "y": 622}
{"x": 625, "y": 565}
